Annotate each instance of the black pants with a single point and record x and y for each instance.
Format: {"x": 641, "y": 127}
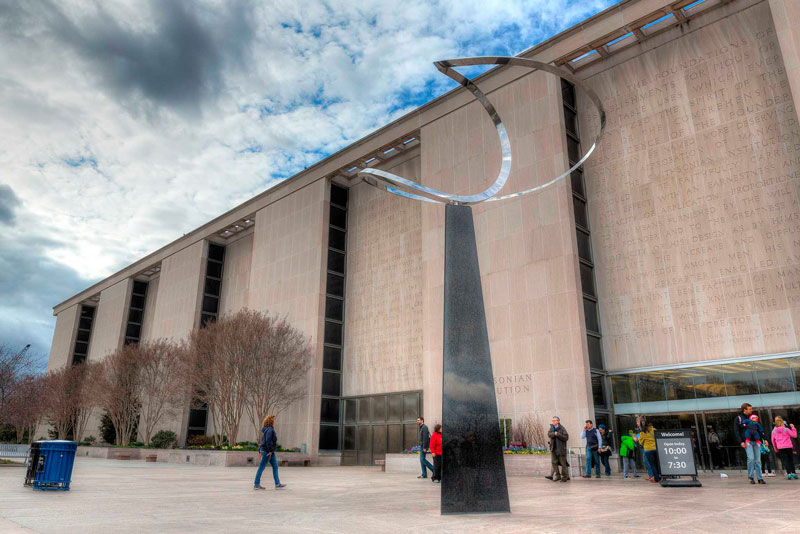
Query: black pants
{"x": 787, "y": 459}
{"x": 437, "y": 467}
{"x": 766, "y": 463}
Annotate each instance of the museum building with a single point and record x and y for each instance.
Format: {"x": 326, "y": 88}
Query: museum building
{"x": 662, "y": 278}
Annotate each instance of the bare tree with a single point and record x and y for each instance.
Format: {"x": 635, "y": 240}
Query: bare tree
{"x": 67, "y": 400}
{"x": 115, "y": 385}
{"x": 160, "y": 384}
{"x": 25, "y": 408}
{"x": 14, "y": 363}
{"x": 530, "y": 429}
{"x": 245, "y": 362}
{"x": 280, "y": 360}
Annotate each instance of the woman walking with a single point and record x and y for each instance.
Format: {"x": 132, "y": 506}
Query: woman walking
{"x": 782, "y": 442}
{"x": 267, "y": 448}
{"x": 436, "y": 452}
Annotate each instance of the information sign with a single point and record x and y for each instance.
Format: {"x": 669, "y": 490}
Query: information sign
{"x": 676, "y": 457}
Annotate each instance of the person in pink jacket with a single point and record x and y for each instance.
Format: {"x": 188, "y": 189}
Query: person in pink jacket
{"x": 782, "y": 442}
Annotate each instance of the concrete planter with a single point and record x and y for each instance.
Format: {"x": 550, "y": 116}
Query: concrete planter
{"x": 189, "y": 456}
{"x": 516, "y": 464}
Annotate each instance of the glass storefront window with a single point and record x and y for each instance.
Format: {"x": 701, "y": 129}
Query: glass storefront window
{"x": 739, "y": 379}
{"x": 774, "y": 377}
{"x": 679, "y": 386}
{"x": 708, "y": 383}
{"x": 651, "y": 387}
{"x": 624, "y": 388}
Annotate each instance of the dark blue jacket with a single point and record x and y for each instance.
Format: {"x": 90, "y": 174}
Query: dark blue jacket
{"x": 269, "y": 440}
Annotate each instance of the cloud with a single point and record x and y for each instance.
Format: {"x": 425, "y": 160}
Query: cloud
{"x": 8, "y": 201}
{"x": 127, "y": 124}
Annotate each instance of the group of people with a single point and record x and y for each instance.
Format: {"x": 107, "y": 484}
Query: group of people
{"x": 753, "y": 439}
{"x": 748, "y": 431}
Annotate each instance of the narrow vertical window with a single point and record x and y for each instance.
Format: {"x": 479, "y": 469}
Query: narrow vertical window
{"x": 133, "y": 330}
{"x": 81, "y": 350}
{"x": 333, "y": 335}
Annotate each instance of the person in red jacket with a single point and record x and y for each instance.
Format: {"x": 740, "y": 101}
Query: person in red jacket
{"x": 436, "y": 452}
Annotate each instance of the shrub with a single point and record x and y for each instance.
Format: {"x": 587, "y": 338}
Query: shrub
{"x": 201, "y": 440}
{"x": 163, "y": 439}
{"x": 89, "y": 441}
{"x": 137, "y": 444}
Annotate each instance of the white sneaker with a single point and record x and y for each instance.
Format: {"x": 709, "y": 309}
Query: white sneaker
{"x": 770, "y": 474}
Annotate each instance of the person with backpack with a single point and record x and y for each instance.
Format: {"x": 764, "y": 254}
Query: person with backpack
{"x": 627, "y": 452}
{"x": 782, "y": 443}
{"x": 593, "y": 439}
{"x": 752, "y": 447}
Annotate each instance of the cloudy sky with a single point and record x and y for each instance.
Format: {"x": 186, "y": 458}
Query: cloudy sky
{"x": 125, "y": 124}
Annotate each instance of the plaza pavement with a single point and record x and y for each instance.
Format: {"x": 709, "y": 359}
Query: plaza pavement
{"x": 111, "y": 496}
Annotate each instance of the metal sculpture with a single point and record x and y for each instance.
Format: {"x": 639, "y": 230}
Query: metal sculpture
{"x": 473, "y": 478}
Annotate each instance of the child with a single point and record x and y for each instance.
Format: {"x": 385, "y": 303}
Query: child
{"x": 753, "y": 431}
{"x": 766, "y": 463}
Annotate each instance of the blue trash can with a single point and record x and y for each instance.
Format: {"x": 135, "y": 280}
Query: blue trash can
{"x": 54, "y": 468}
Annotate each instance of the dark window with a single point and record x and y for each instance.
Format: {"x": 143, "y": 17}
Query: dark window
{"x": 336, "y": 239}
{"x": 568, "y": 93}
{"x": 350, "y": 411}
{"x": 587, "y": 279}
{"x": 81, "y": 348}
{"x": 349, "y": 438}
{"x": 410, "y": 407}
{"x": 577, "y": 182}
{"x": 573, "y": 150}
{"x": 212, "y": 286}
{"x": 599, "y": 391}
{"x": 210, "y": 304}
{"x": 581, "y": 216}
{"x": 329, "y": 437}
{"x": 133, "y": 330}
{"x": 378, "y": 409}
{"x": 333, "y": 333}
{"x": 584, "y": 245}
{"x": 411, "y": 435}
{"x": 83, "y": 335}
{"x": 214, "y": 269}
{"x": 197, "y": 418}
{"x": 331, "y": 384}
{"x": 137, "y": 301}
{"x": 139, "y": 288}
{"x": 334, "y": 308}
{"x": 206, "y": 318}
{"x": 135, "y": 316}
{"x": 363, "y": 410}
{"x": 338, "y": 196}
{"x": 335, "y": 261}
{"x": 624, "y": 388}
{"x": 330, "y": 411}
{"x": 595, "y": 352}
{"x": 571, "y": 121}
{"x": 78, "y": 359}
{"x": 395, "y": 438}
{"x": 590, "y": 314}
{"x": 332, "y": 358}
{"x": 216, "y": 252}
{"x": 335, "y": 285}
{"x": 338, "y": 217}
{"x": 85, "y": 323}
{"x": 394, "y": 405}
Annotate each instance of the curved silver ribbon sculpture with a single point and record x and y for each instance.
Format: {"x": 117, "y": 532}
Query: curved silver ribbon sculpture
{"x": 410, "y": 189}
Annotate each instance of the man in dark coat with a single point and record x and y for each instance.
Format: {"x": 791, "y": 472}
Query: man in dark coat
{"x": 424, "y": 443}
{"x": 558, "y": 450}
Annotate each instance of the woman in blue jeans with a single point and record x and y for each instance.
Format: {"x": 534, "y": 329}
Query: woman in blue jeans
{"x": 267, "y": 448}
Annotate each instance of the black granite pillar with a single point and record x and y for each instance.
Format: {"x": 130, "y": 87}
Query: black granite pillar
{"x": 473, "y": 472}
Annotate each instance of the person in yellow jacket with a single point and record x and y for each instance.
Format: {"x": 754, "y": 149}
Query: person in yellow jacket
{"x": 647, "y": 439}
